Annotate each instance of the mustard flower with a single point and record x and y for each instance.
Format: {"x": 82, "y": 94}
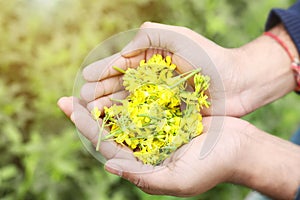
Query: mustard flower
{"x": 151, "y": 120}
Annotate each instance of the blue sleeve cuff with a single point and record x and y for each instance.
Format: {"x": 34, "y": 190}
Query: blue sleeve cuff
{"x": 298, "y": 195}
{"x": 290, "y": 19}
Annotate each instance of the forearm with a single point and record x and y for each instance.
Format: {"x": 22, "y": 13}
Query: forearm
{"x": 266, "y": 69}
{"x": 270, "y": 165}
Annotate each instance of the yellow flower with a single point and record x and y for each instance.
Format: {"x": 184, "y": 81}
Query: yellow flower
{"x": 199, "y": 128}
{"x": 121, "y": 138}
{"x": 203, "y": 101}
{"x": 158, "y": 59}
{"x": 151, "y": 119}
{"x": 96, "y": 113}
{"x": 134, "y": 143}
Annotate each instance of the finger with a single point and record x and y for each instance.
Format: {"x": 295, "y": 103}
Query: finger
{"x": 66, "y": 104}
{"x": 160, "y": 35}
{"x": 93, "y": 90}
{"x": 102, "y": 69}
{"x": 154, "y": 35}
{"x": 106, "y": 101}
{"x": 85, "y": 124}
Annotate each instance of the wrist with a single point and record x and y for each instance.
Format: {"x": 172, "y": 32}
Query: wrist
{"x": 266, "y": 69}
{"x": 281, "y": 33}
{"x": 269, "y": 165}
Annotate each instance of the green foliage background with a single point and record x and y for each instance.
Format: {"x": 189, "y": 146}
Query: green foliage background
{"x": 43, "y": 43}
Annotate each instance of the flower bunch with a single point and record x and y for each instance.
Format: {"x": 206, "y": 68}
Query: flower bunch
{"x": 160, "y": 114}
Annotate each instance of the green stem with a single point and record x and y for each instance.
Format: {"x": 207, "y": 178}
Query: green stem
{"x": 192, "y": 73}
{"x": 146, "y": 115}
{"x": 112, "y": 134}
{"x": 185, "y": 73}
{"x": 116, "y": 100}
{"x": 100, "y": 133}
{"x": 119, "y": 69}
{"x": 169, "y": 147}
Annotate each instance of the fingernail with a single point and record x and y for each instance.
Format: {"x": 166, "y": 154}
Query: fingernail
{"x": 60, "y": 101}
{"x": 64, "y": 100}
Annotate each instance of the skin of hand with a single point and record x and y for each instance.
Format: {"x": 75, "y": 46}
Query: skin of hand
{"x": 242, "y": 79}
{"x": 242, "y": 154}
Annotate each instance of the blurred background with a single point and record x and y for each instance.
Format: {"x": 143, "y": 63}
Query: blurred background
{"x": 43, "y": 43}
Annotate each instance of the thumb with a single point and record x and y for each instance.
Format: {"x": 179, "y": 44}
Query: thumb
{"x": 128, "y": 168}
{"x": 152, "y": 35}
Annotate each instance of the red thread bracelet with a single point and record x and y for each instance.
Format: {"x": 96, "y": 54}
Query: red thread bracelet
{"x": 295, "y": 61}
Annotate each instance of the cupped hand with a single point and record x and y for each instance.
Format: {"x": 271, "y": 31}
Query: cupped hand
{"x": 187, "y": 172}
{"x": 188, "y": 50}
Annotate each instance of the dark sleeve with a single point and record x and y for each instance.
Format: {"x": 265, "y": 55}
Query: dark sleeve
{"x": 291, "y": 20}
{"x": 298, "y": 195}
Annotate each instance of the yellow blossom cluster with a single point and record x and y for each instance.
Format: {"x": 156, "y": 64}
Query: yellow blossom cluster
{"x": 151, "y": 120}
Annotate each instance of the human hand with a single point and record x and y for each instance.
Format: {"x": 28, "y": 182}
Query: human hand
{"x": 239, "y": 153}
{"x": 242, "y": 79}
{"x": 104, "y": 82}
{"x": 186, "y": 172}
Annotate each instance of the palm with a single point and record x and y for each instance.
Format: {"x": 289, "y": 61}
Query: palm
{"x": 187, "y": 172}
